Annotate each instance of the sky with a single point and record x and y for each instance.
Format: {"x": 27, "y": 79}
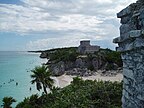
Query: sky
{"x": 45, "y": 24}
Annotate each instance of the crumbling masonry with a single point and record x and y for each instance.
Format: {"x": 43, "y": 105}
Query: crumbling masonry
{"x": 131, "y": 44}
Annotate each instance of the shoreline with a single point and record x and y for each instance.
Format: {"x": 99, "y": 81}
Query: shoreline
{"x": 65, "y": 80}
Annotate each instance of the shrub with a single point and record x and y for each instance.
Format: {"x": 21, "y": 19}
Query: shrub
{"x": 80, "y": 94}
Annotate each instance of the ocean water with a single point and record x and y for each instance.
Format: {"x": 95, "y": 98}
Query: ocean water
{"x": 15, "y": 68}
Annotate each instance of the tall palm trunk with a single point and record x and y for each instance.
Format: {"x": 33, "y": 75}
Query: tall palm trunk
{"x": 44, "y": 88}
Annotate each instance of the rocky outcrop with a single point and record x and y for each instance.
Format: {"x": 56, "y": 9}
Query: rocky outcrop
{"x": 80, "y": 72}
{"x": 61, "y": 60}
{"x": 43, "y": 55}
{"x": 131, "y": 44}
{"x": 82, "y": 66}
{"x": 77, "y": 67}
{"x": 58, "y": 68}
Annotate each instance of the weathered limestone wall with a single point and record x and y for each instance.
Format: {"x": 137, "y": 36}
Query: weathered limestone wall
{"x": 133, "y": 71}
{"x": 131, "y": 44}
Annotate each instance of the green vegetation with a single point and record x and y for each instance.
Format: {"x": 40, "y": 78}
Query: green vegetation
{"x": 107, "y": 56}
{"x": 70, "y": 54}
{"x": 111, "y": 56}
{"x": 114, "y": 57}
{"x": 41, "y": 76}
{"x": 62, "y": 54}
{"x": 7, "y": 102}
{"x": 79, "y": 94}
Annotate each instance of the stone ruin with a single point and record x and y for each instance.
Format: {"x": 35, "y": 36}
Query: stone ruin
{"x": 131, "y": 44}
{"x": 85, "y": 47}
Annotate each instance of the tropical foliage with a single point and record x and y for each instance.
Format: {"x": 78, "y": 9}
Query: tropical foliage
{"x": 70, "y": 54}
{"x": 7, "y": 102}
{"x": 114, "y": 57}
{"x": 41, "y": 76}
{"x": 62, "y": 54}
{"x": 79, "y": 94}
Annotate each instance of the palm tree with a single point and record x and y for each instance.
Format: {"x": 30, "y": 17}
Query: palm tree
{"x": 7, "y": 101}
{"x": 41, "y": 76}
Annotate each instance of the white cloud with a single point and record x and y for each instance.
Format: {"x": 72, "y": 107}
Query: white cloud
{"x": 92, "y": 18}
{"x": 43, "y": 15}
{"x": 22, "y": 19}
{"x": 68, "y": 40}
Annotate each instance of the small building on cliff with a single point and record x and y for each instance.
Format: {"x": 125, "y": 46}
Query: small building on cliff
{"x": 85, "y": 47}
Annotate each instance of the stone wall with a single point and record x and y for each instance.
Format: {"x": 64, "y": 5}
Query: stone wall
{"x": 131, "y": 44}
{"x": 85, "y": 47}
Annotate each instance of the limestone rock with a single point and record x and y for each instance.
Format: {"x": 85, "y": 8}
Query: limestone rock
{"x": 125, "y": 12}
{"x": 124, "y": 28}
{"x": 135, "y": 33}
{"x": 57, "y": 69}
{"x": 131, "y": 44}
{"x": 43, "y": 55}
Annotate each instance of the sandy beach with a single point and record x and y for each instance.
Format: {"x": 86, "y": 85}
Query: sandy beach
{"x": 65, "y": 80}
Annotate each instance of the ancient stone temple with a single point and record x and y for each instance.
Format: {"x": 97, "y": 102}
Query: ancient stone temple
{"x": 85, "y": 47}
{"x": 131, "y": 44}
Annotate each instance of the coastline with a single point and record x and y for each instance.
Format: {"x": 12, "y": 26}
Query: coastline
{"x": 65, "y": 80}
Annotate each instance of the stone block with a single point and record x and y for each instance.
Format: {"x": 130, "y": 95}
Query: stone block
{"x": 139, "y": 87}
{"x": 138, "y": 59}
{"x": 139, "y": 42}
{"x": 125, "y": 80}
{"x": 141, "y": 23}
{"x": 141, "y": 95}
{"x": 117, "y": 40}
{"x": 135, "y": 33}
{"x": 141, "y": 51}
{"x": 125, "y": 93}
{"x": 136, "y": 14}
{"x": 142, "y": 32}
{"x": 130, "y": 88}
{"x": 129, "y": 46}
{"x": 141, "y": 14}
{"x": 139, "y": 103}
{"x": 139, "y": 76}
{"x": 125, "y": 19}
{"x": 140, "y": 65}
{"x": 124, "y": 12}
{"x": 124, "y": 37}
{"x": 128, "y": 73}
{"x": 126, "y": 57}
{"x": 127, "y": 103}
{"x": 124, "y": 65}
{"x": 124, "y": 28}
{"x": 128, "y": 64}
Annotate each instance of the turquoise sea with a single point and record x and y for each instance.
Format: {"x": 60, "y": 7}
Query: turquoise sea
{"x": 15, "y": 68}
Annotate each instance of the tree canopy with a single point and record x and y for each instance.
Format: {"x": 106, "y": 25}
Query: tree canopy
{"x": 80, "y": 94}
{"x": 41, "y": 76}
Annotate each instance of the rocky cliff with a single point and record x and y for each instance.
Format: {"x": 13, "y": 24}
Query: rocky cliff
{"x": 70, "y": 62}
{"x": 131, "y": 44}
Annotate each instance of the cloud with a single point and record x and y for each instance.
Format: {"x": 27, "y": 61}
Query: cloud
{"x": 68, "y": 40}
{"x": 43, "y": 15}
{"x": 81, "y": 18}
